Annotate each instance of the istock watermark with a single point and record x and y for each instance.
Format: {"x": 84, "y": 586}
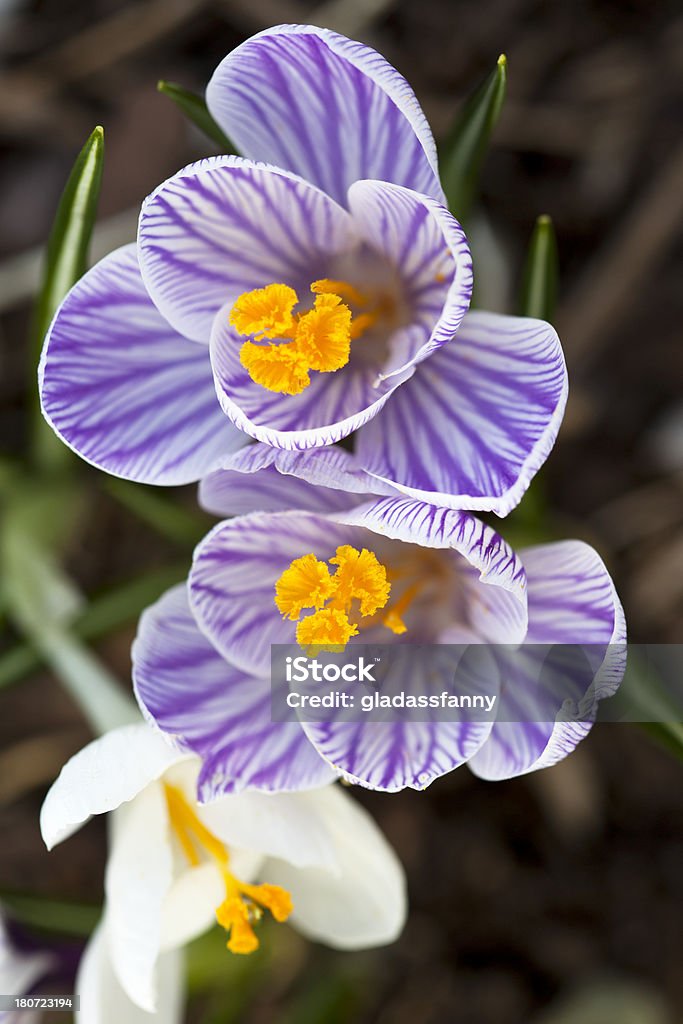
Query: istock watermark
{"x": 530, "y": 683}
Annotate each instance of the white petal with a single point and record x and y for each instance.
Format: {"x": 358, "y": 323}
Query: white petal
{"x": 103, "y": 1001}
{"x": 363, "y": 903}
{"x": 139, "y": 876}
{"x": 102, "y": 776}
{"x": 284, "y": 825}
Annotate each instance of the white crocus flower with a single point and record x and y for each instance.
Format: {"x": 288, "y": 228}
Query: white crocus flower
{"x": 176, "y": 865}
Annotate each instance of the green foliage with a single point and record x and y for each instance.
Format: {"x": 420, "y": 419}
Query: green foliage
{"x": 194, "y": 107}
{"x": 464, "y": 151}
{"x": 65, "y": 262}
{"x": 539, "y": 282}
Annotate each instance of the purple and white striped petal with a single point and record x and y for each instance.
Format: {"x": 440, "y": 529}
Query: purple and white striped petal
{"x": 394, "y": 755}
{"x": 232, "y": 581}
{"x": 212, "y": 709}
{"x": 264, "y": 479}
{"x": 123, "y": 389}
{"x": 427, "y": 250}
{"x": 476, "y": 420}
{"x": 572, "y": 602}
{"x": 492, "y": 576}
{"x": 326, "y": 107}
{"x": 330, "y": 408}
{"x": 224, "y": 226}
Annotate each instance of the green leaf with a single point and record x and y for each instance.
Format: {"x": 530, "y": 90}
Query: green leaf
{"x": 41, "y": 601}
{"x": 194, "y": 107}
{"x": 106, "y": 613}
{"x": 463, "y": 153}
{"x": 539, "y": 282}
{"x": 52, "y": 915}
{"x": 65, "y": 263}
{"x": 643, "y": 698}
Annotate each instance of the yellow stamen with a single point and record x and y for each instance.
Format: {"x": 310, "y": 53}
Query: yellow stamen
{"x": 265, "y": 312}
{"x": 318, "y": 340}
{"x": 308, "y": 583}
{"x": 243, "y": 903}
{"x": 276, "y": 367}
{"x": 341, "y": 288}
{"x": 326, "y": 630}
{"x": 393, "y": 619}
{"x": 359, "y": 575}
{"x": 323, "y": 336}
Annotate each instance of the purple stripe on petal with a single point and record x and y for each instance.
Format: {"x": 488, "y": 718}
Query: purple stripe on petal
{"x": 223, "y": 226}
{"x": 334, "y": 405}
{"x": 572, "y": 602}
{"x": 264, "y": 479}
{"x": 493, "y": 577}
{"x": 188, "y": 690}
{"x": 232, "y": 582}
{"x": 428, "y": 251}
{"x": 476, "y": 420}
{"x": 123, "y": 389}
{"x": 327, "y": 108}
{"x": 394, "y": 755}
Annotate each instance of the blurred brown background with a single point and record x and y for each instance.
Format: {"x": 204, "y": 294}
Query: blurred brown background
{"x": 528, "y": 897}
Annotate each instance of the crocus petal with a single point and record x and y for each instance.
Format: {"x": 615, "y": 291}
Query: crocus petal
{"x": 572, "y": 601}
{"x": 476, "y": 420}
{"x": 123, "y": 389}
{"x": 232, "y": 581}
{"x": 139, "y": 875}
{"x": 103, "y": 1000}
{"x": 224, "y": 226}
{"x": 330, "y": 408}
{"x": 287, "y": 826}
{"x": 265, "y": 479}
{"x": 392, "y": 755}
{"x": 493, "y": 575}
{"x": 190, "y": 905}
{"x": 215, "y": 710}
{"x": 326, "y": 107}
{"x": 363, "y": 902}
{"x": 108, "y": 772}
{"x": 427, "y": 249}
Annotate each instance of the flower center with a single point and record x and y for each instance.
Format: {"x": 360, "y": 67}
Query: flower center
{"x": 243, "y": 905}
{"x": 358, "y": 589}
{"x": 319, "y": 339}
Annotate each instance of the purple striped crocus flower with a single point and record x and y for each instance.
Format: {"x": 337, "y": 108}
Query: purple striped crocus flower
{"x": 314, "y": 288}
{"x": 390, "y": 570}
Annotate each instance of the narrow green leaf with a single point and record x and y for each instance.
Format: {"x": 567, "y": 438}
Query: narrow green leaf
{"x": 41, "y": 602}
{"x": 539, "y": 281}
{"x": 104, "y": 614}
{"x": 463, "y": 153}
{"x": 52, "y": 915}
{"x": 65, "y": 263}
{"x": 181, "y": 525}
{"x": 194, "y": 107}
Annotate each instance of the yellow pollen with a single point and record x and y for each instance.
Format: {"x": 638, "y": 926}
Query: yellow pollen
{"x": 326, "y": 630}
{"x": 308, "y": 583}
{"x": 323, "y": 336}
{"x": 318, "y": 339}
{"x": 265, "y": 312}
{"x": 243, "y": 905}
{"x": 341, "y": 288}
{"x": 359, "y": 575}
